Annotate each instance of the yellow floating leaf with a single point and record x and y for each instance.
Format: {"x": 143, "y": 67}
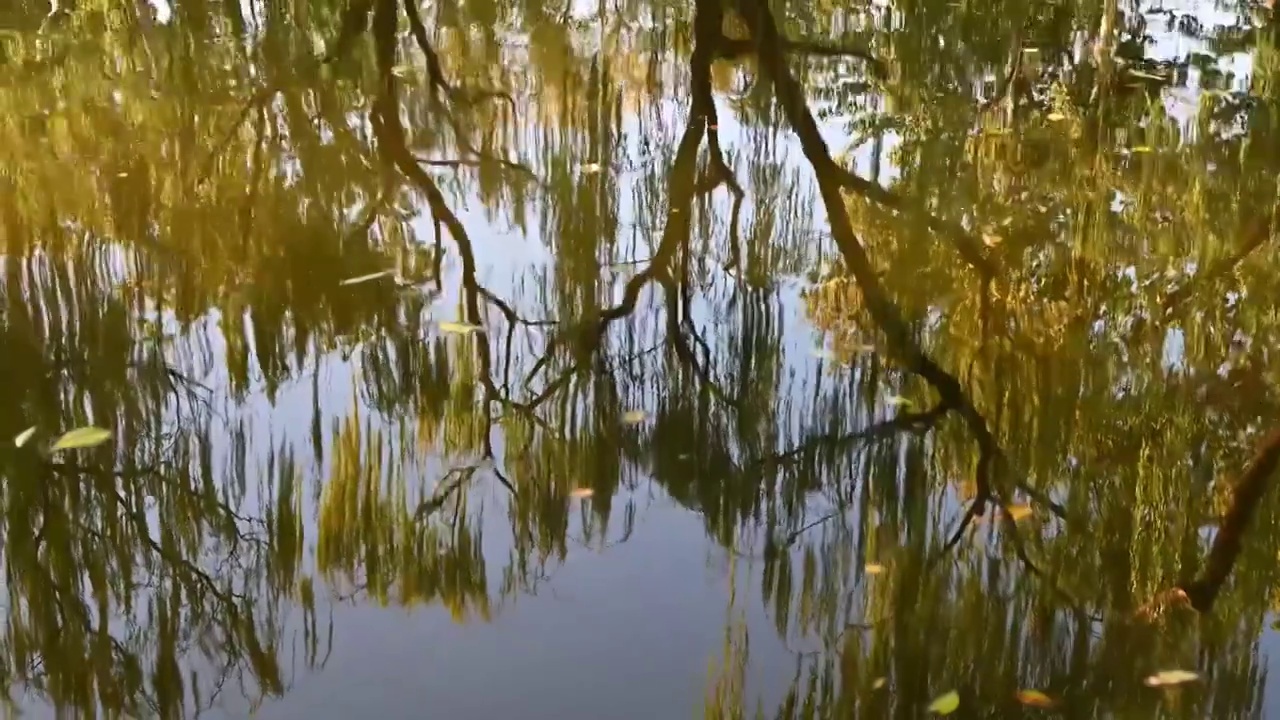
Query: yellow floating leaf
{"x": 897, "y": 401}
{"x": 1146, "y": 75}
{"x": 634, "y": 417}
{"x": 581, "y": 493}
{"x": 1171, "y": 677}
{"x": 1055, "y": 117}
{"x": 458, "y": 328}
{"x": 1140, "y": 149}
{"x": 874, "y": 568}
{"x": 991, "y": 239}
{"x": 82, "y": 438}
{"x": 877, "y": 683}
{"x": 366, "y": 278}
{"x": 591, "y": 168}
{"x": 946, "y": 703}
{"x": 1018, "y": 512}
{"x": 24, "y": 436}
{"x": 1035, "y": 698}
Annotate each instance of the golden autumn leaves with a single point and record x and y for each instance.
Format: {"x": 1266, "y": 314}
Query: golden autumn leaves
{"x": 84, "y": 437}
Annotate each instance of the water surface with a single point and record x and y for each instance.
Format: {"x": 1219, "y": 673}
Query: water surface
{"x": 493, "y": 359}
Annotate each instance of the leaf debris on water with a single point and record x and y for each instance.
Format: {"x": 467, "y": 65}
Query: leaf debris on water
{"x": 457, "y": 327}
{"x": 877, "y": 683}
{"x": 634, "y": 417}
{"x": 581, "y": 493}
{"x": 946, "y": 703}
{"x": 84, "y": 437}
{"x": 897, "y": 401}
{"x": 366, "y": 278}
{"x": 1018, "y": 512}
{"x": 1171, "y": 677}
{"x": 1035, "y": 698}
{"x": 1055, "y": 117}
{"x": 24, "y": 436}
{"x": 874, "y": 568}
{"x": 591, "y": 168}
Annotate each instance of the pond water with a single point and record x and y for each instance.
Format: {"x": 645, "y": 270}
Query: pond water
{"x": 639, "y": 360}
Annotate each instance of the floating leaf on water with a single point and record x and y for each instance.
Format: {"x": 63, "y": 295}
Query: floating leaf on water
{"x": 1018, "y": 512}
{"x": 591, "y": 168}
{"x": 458, "y": 328}
{"x": 946, "y": 703}
{"x": 82, "y": 438}
{"x": 1146, "y": 75}
{"x": 366, "y": 278}
{"x": 897, "y": 401}
{"x": 24, "y": 436}
{"x": 1140, "y": 149}
{"x": 991, "y": 239}
{"x": 1035, "y": 698}
{"x": 877, "y": 683}
{"x": 400, "y": 70}
{"x": 874, "y": 568}
{"x": 1171, "y": 677}
{"x": 1055, "y": 117}
{"x": 634, "y": 417}
{"x": 581, "y": 493}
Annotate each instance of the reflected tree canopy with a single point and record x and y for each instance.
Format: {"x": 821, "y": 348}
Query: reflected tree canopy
{"x": 951, "y": 322}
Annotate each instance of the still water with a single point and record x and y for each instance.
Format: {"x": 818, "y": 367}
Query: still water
{"x": 638, "y": 360}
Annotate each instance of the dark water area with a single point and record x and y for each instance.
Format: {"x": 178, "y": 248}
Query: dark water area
{"x": 639, "y": 360}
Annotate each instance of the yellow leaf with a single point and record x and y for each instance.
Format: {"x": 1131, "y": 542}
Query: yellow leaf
{"x": 991, "y": 239}
{"x": 24, "y": 436}
{"x": 877, "y": 683}
{"x": 1140, "y": 149}
{"x": 946, "y": 703}
{"x": 580, "y": 493}
{"x": 458, "y": 328}
{"x": 874, "y": 568}
{"x": 591, "y": 168}
{"x": 1035, "y": 698}
{"x": 1018, "y": 512}
{"x": 634, "y": 417}
{"x": 1055, "y": 117}
{"x": 82, "y": 438}
{"x": 1146, "y": 75}
{"x": 366, "y": 278}
{"x": 898, "y": 401}
{"x": 1171, "y": 677}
